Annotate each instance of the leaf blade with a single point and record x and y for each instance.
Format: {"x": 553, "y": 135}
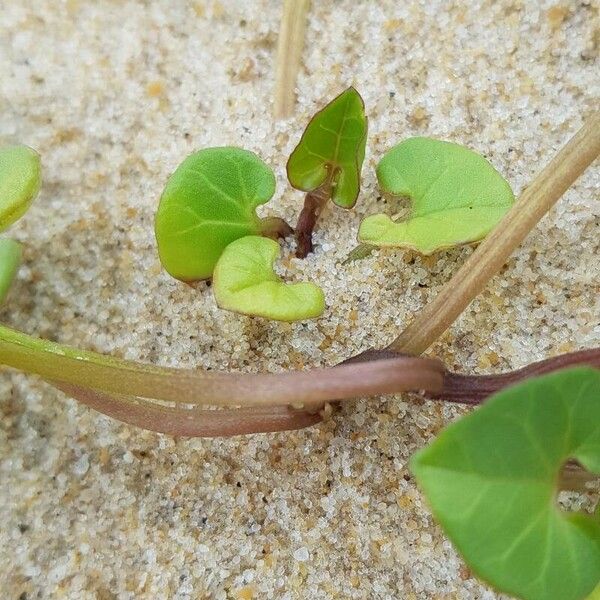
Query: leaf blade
{"x": 488, "y": 451}
{"x": 332, "y": 143}
{"x": 20, "y": 179}
{"x": 457, "y": 196}
{"x": 208, "y": 202}
{"x": 244, "y": 282}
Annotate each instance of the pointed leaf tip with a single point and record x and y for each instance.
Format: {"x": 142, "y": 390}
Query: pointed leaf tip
{"x": 332, "y": 146}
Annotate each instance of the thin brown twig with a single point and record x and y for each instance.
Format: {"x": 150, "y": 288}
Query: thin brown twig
{"x": 289, "y": 51}
{"x": 489, "y": 257}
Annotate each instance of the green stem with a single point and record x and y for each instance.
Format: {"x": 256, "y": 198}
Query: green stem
{"x": 10, "y": 259}
{"x": 299, "y": 388}
{"x": 359, "y": 253}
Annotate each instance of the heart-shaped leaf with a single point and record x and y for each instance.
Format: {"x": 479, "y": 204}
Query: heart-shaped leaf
{"x": 208, "y": 202}
{"x": 491, "y": 480}
{"x": 10, "y": 259}
{"x": 20, "y": 176}
{"x": 332, "y": 146}
{"x": 458, "y": 197}
{"x": 244, "y": 282}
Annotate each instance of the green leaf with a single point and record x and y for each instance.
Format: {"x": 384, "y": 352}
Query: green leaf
{"x": 244, "y": 282}
{"x": 208, "y": 202}
{"x": 595, "y": 595}
{"x": 491, "y": 481}
{"x": 333, "y": 144}
{"x": 10, "y": 259}
{"x": 457, "y": 196}
{"x": 20, "y": 176}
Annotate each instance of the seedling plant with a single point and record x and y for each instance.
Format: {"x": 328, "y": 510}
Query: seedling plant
{"x": 492, "y": 477}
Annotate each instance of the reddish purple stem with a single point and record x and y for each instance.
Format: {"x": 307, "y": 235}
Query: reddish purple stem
{"x": 474, "y": 389}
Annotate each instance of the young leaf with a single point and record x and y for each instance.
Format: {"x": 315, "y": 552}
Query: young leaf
{"x": 491, "y": 481}
{"x": 458, "y": 197}
{"x": 10, "y": 259}
{"x": 209, "y": 201}
{"x": 244, "y": 282}
{"x": 332, "y": 146}
{"x": 328, "y": 160}
{"x": 20, "y": 176}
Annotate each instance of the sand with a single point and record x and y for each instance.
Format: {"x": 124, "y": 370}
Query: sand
{"x": 114, "y": 95}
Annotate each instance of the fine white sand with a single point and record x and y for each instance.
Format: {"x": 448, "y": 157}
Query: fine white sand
{"x": 114, "y": 94}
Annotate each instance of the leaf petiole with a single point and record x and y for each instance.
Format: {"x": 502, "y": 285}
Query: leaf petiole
{"x": 359, "y": 252}
{"x": 275, "y": 228}
{"x": 10, "y": 259}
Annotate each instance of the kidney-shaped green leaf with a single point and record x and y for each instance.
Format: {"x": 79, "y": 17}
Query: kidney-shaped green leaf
{"x": 491, "y": 481}
{"x": 458, "y": 197}
{"x": 209, "y": 201}
{"x": 244, "y": 282}
{"x": 10, "y": 259}
{"x": 332, "y": 145}
{"x": 20, "y": 176}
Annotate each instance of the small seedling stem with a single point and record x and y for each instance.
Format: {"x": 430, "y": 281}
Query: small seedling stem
{"x": 313, "y": 205}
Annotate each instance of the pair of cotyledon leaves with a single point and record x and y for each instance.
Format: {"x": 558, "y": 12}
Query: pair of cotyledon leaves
{"x": 211, "y": 200}
{"x": 207, "y": 226}
{"x": 491, "y": 480}
{"x": 20, "y": 177}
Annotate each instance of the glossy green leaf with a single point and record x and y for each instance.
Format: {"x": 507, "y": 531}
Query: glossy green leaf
{"x": 20, "y": 177}
{"x": 244, "y": 282}
{"x": 457, "y": 196}
{"x": 10, "y": 259}
{"x": 208, "y": 202}
{"x": 491, "y": 481}
{"x": 333, "y": 144}
{"x": 595, "y": 595}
